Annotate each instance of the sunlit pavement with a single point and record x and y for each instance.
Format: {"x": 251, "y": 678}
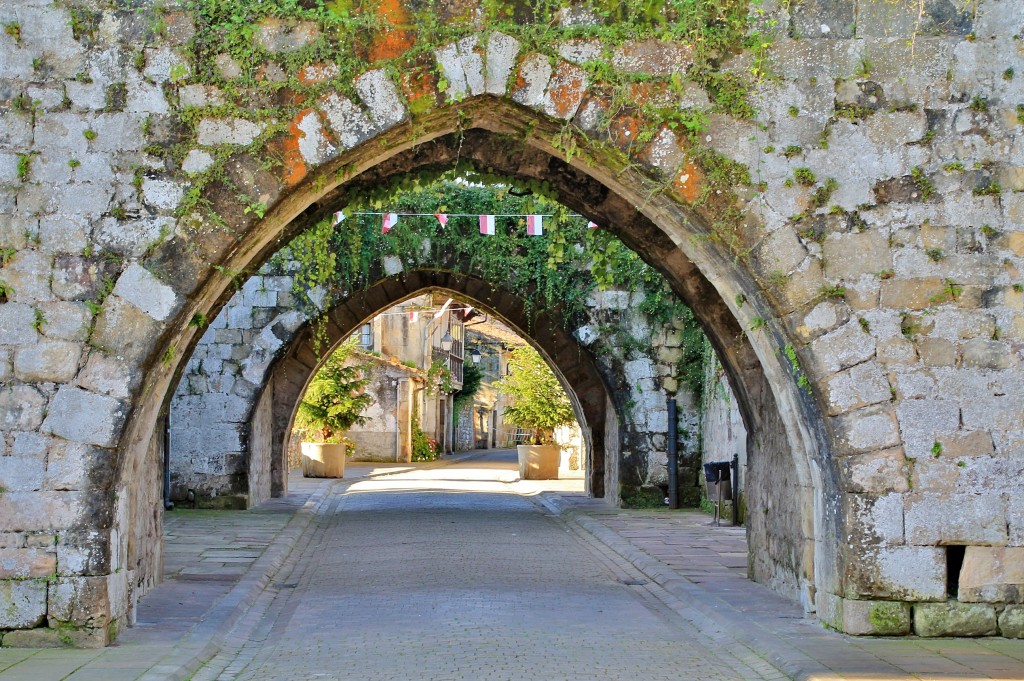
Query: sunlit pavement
{"x": 461, "y": 571}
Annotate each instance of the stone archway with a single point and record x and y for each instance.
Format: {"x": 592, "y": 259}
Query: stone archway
{"x": 783, "y": 420}
{"x": 851, "y": 303}
{"x": 592, "y": 400}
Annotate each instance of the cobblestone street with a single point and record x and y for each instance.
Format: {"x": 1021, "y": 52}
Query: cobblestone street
{"x": 461, "y": 571}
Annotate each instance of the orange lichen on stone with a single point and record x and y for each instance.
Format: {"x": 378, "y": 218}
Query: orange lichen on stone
{"x": 419, "y": 84}
{"x": 653, "y": 93}
{"x": 293, "y": 169}
{"x": 624, "y": 130}
{"x": 566, "y": 89}
{"x": 397, "y": 36}
{"x": 689, "y": 183}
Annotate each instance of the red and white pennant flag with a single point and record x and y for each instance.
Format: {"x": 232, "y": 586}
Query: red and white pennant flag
{"x": 487, "y": 225}
{"x": 535, "y": 225}
{"x": 339, "y": 217}
{"x": 591, "y": 225}
{"x": 442, "y": 218}
{"x": 389, "y": 221}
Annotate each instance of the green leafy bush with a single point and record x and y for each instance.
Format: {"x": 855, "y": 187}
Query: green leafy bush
{"x": 334, "y": 400}
{"x": 539, "y": 403}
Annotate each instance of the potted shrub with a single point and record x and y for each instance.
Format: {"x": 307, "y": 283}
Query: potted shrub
{"x": 539, "y": 406}
{"x": 333, "y": 403}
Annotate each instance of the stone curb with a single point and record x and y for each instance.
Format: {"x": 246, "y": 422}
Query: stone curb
{"x": 786, "y": 658}
{"x": 207, "y": 638}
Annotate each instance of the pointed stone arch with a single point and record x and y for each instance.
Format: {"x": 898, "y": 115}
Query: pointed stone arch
{"x": 783, "y": 420}
{"x": 592, "y": 400}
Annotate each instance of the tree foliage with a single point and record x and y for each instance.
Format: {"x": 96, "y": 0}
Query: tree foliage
{"x": 334, "y": 400}
{"x": 539, "y": 403}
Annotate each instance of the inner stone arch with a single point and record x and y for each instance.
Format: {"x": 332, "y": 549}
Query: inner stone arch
{"x": 286, "y": 379}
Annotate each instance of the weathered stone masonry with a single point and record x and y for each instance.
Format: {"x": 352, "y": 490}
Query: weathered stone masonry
{"x": 872, "y": 327}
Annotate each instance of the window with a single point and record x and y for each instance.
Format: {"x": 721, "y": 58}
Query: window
{"x": 366, "y": 337}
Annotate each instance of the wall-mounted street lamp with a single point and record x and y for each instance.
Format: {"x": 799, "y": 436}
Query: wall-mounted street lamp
{"x": 447, "y": 341}
{"x": 474, "y": 355}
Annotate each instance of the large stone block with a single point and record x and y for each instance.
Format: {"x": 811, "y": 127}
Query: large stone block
{"x": 349, "y": 122}
{"x": 908, "y": 573}
{"x": 17, "y": 324}
{"x": 848, "y": 256}
{"x": 381, "y": 98}
{"x": 846, "y": 346}
{"x": 954, "y": 619}
{"x": 922, "y": 422}
{"x": 47, "y": 361}
{"x": 27, "y": 563}
{"x": 68, "y": 321}
{"x": 1011, "y": 621}
{"x": 933, "y": 519}
{"x": 24, "y": 603}
{"x": 88, "y": 601}
{"x": 21, "y": 407}
{"x": 992, "y": 575}
{"x": 237, "y": 131}
{"x": 875, "y": 618}
{"x": 125, "y": 331}
{"x": 868, "y": 429}
{"x": 876, "y": 473}
{"x": 859, "y": 386}
{"x": 501, "y": 59}
{"x": 40, "y": 511}
{"x": 82, "y": 416}
{"x": 139, "y": 287}
{"x": 22, "y": 472}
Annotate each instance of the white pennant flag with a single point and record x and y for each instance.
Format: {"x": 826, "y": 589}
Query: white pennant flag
{"x": 535, "y": 225}
{"x": 487, "y": 225}
{"x": 389, "y": 221}
{"x": 339, "y": 218}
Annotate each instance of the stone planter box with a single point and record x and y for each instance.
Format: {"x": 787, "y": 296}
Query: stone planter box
{"x": 539, "y": 462}
{"x": 323, "y": 460}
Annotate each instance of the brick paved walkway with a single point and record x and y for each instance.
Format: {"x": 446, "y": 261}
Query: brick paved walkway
{"x": 466, "y": 572}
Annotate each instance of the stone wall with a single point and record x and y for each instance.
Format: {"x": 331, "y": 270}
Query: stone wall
{"x": 379, "y": 439}
{"x": 217, "y": 394}
{"x": 722, "y": 433}
{"x": 872, "y": 326}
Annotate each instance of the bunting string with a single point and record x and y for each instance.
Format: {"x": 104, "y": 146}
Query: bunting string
{"x": 534, "y": 222}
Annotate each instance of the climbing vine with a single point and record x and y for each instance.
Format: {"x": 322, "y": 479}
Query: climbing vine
{"x": 554, "y": 274}
{"x": 271, "y": 59}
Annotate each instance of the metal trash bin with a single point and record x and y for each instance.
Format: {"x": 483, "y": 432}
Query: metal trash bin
{"x": 718, "y": 475}
{"x": 719, "y": 480}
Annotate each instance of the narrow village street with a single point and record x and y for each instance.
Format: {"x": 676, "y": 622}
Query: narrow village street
{"x": 459, "y": 570}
